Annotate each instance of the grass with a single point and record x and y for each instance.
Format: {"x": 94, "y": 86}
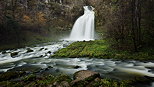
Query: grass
{"x": 101, "y": 49}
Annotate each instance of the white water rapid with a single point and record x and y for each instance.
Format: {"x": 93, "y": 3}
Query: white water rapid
{"x": 83, "y": 28}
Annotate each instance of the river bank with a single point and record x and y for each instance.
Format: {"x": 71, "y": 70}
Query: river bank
{"x": 101, "y": 49}
{"x": 82, "y": 78}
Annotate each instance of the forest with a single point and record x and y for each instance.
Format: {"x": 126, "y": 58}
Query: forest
{"x": 129, "y": 23}
{"x": 32, "y": 32}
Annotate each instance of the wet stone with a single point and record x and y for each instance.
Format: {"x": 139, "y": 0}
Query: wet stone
{"x": 14, "y": 54}
{"x": 41, "y": 56}
{"x": 4, "y": 52}
{"x": 77, "y": 67}
{"x": 29, "y": 50}
{"x": 41, "y": 49}
{"x": 50, "y": 67}
{"x": 49, "y": 52}
{"x": 84, "y": 75}
{"x": 64, "y": 84}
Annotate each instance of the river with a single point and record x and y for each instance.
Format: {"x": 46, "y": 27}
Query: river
{"x": 38, "y": 60}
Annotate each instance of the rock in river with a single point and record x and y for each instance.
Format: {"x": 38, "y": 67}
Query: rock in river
{"x": 14, "y": 54}
{"x": 29, "y": 50}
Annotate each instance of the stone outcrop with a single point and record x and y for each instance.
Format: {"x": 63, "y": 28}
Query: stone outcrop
{"x": 84, "y": 75}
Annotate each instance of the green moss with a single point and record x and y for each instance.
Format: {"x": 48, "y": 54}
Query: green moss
{"x": 102, "y": 83}
{"x": 10, "y": 84}
{"x": 30, "y": 77}
{"x": 4, "y": 83}
{"x": 10, "y": 75}
{"x": 84, "y": 49}
{"x": 32, "y": 84}
{"x": 63, "y": 78}
{"x": 101, "y": 49}
{"x": 81, "y": 84}
{"x": 111, "y": 83}
{"x": 45, "y": 81}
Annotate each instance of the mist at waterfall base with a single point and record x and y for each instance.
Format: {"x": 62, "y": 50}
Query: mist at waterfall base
{"x": 83, "y": 28}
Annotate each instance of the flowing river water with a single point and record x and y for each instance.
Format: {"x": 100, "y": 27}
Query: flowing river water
{"x": 39, "y": 60}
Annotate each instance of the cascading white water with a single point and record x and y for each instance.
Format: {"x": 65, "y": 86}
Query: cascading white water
{"x": 83, "y": 28}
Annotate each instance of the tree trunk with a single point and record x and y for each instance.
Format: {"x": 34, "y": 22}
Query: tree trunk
{"x": 133, "y": 25}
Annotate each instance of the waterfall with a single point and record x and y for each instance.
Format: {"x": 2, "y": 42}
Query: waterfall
{"x": 83, "y": 28}
{"x": 60, "y": 1}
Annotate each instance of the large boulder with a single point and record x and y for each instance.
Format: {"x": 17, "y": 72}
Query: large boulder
{"x": 84, "y": 75}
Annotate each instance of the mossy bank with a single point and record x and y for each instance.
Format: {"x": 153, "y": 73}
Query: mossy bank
{"x": 21, "y": 79}
{"x": 101, "y": 49}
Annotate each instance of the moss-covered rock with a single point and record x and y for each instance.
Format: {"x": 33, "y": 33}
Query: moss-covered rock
{"x": 84, "y": 49}
{"x": 87, "y": 78}
{"x": 84, "y": 76}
